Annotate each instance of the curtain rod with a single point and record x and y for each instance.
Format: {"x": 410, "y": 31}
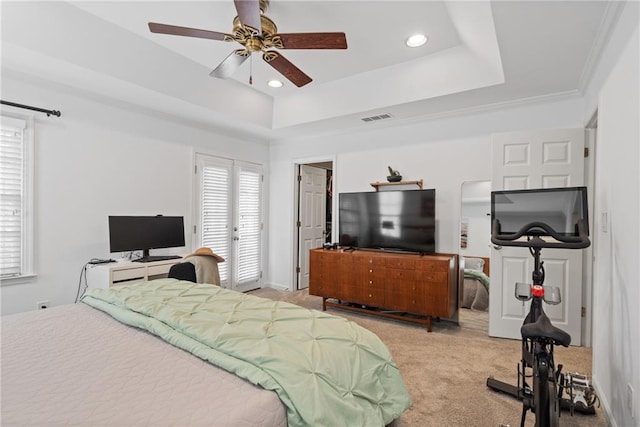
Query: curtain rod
{"x": 27, "y": 107}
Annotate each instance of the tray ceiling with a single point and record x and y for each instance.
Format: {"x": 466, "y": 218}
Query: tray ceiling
{"x": 479, "y": 53}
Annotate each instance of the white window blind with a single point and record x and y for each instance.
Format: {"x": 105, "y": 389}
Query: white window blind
{"x": 249, "y": 225}
{"x": 216, "y": 218}
{"x": 12, "y": 193}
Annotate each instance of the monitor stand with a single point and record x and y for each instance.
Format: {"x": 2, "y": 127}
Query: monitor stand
{"x": 151, "y": 258}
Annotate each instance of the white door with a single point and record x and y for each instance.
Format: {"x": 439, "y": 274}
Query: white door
{"x": 229, "y": 211}
{"x": 527, "y": 160}
{"x": 312, "y": 216}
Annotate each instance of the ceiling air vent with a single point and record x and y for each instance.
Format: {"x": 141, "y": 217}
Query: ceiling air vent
{"x": 376, "y": 118}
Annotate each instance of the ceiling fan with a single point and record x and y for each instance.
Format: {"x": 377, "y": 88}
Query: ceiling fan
{"x": 257, "y": 33}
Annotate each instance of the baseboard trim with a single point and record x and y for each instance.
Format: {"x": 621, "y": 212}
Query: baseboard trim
{"x": 276, "y": 286}
{"x": 605, "y": 404}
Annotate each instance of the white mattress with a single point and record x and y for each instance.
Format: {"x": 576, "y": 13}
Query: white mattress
{"x": 74, "y": 365}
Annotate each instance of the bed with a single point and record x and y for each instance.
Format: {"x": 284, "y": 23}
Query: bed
{"x": 182, "y": 353}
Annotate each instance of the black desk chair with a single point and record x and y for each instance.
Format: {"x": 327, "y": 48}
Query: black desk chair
{"x": 183, "y": 271}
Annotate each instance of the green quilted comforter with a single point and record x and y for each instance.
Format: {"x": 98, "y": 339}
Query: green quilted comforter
{"x": 328, "y": 371}
{"x": 479, "y": 275}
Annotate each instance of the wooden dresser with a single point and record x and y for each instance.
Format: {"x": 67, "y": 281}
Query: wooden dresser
{"x": 409, "y": 287}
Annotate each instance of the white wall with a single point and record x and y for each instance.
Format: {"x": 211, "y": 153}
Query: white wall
{"x": 101, "y": 159}
{"x": 616, "y": 293}
{"x": 438, "y": 163}
{"x": 444, "y": 152}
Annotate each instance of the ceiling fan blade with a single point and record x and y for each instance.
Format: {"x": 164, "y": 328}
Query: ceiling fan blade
{"x": 313, "y": 40}
{"x": 249, "y": 14}
{"x": 188, "y": 32}
{"x": 286, "y": 68}
{"x": 230, "y": 64}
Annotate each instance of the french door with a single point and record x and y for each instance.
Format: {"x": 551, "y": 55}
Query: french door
{"x": 229, "y": 218}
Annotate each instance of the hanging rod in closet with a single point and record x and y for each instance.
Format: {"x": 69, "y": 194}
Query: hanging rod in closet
{"x": 27, "y": 107}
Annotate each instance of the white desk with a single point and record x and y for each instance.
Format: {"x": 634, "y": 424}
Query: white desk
{"x": 127, "y": 272}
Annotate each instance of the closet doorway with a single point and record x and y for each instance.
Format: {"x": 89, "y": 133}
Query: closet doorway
{"x": 313, "y": 215}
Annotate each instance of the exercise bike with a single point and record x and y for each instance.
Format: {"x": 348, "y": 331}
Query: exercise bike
{"x": 543, "y": 396}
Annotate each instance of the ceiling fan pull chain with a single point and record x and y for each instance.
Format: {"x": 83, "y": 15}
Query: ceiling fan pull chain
{"x": 251, "y": 70}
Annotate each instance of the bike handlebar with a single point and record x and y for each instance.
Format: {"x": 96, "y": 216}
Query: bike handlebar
{"x": 563, "y": 242}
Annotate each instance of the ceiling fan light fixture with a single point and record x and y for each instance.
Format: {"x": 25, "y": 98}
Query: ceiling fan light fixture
{"x": 275, "y": 83}
{"x": 416, "y": 40}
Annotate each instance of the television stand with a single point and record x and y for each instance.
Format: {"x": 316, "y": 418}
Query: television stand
{"x": 402, "y": 286}
{"x": 154, "y": 258}
{"x": 127, "y": 272}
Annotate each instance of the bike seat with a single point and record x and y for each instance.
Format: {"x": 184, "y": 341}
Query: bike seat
{"x": 542, "y": 328}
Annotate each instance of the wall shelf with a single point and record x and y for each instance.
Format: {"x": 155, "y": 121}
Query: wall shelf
{"x": 377, "y": 185}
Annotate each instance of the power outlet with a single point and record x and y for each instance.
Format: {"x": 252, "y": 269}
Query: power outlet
{"x": 630, "y": 405}
{"x": 43, "y": 304}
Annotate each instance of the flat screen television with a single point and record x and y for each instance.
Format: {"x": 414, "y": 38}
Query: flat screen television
{"x": 133, "y": 233}
{"x": 559, "y": 208}
{"x": 388, "y": 220}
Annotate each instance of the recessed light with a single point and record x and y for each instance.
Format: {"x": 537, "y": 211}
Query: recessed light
{"x": 275, "y": 83}
{"x": 416, "y": 40}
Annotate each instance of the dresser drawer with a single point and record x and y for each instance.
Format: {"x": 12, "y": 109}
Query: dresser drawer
{"x": 397, "y": 262}
{"x": 442, "y": 266}
{"x": 127, "y": 274}
{"x": 158, "y": 270}
{"x": 433, "y": 277}
{"x": 394, "y": 275}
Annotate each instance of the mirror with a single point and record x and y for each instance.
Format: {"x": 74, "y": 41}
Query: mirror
{"x": 475, "y": 253}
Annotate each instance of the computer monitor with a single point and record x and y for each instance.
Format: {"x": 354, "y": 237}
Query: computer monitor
{"x": 132, "y": 233}
{"x": 558, "y": 208}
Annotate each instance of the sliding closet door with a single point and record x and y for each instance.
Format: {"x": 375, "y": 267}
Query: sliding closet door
{"x": 229, "y": 218}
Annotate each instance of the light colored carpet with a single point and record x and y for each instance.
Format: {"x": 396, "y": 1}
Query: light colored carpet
{"x": 446, "y": 370}
{"x": 473, "y": 319}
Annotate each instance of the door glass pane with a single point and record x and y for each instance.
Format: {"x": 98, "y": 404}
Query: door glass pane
{"x": 249, "y": 226}
{"x": 215, "y": 214}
